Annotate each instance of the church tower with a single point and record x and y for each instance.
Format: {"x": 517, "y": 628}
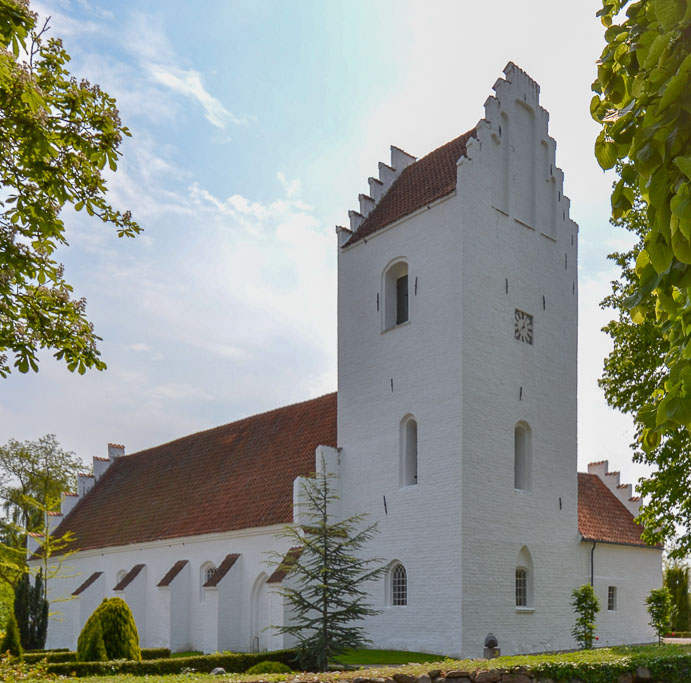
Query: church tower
{"x": 457, "y": 344}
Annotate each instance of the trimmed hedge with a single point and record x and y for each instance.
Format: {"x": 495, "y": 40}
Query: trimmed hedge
{"x": 56, "y": 649}
{"x": 678, "y": 634}
{"x": 231, "y": 662}
{"x": 59, "y": 656}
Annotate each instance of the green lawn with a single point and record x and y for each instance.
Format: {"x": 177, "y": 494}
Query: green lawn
{"x": 385, "y": 657}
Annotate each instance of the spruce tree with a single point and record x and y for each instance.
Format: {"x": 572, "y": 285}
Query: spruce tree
{"x": 325, "y": 578}
{"x": 21, "y": 608}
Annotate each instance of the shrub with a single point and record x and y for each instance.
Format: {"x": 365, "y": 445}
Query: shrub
{"x": 11, "y": 641}
{"x": 231, "y": 662}
{"x": 586, "y": 606}
{"x": 92, "y": 648}
{"x": 659, "y": 604}
{"x": 112, "y": 624}
{"x": 267, "y": 667}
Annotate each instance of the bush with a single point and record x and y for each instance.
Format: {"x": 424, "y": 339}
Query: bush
{"x": 231, "y": 662}
{"x": 267, "y": 667}
{"x": 586, "y": 606}
{"x": 659, "y": 605}
{"x": 11, "y": 641}
{"x": 65, "y": 655}
{"x": 678, "y": 634}
{"x": 113, "y": 625}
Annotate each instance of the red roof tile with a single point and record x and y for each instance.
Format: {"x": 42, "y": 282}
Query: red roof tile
{"x": 236, "y": 476}
{"x": 128, "y": 578}
{"x": 421, "y": 183}
{"x": 602, "y": 516}
{"x": 222, "y": 570}
{"x": 87, "y": 583}
{"x": 171, "y": 574}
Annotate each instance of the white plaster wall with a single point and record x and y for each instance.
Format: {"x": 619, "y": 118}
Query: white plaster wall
{"x": 635, "y": 572}
{"x": 422, "y": 357}
{"x": 504, "y": 381}
{"x": 152, "y": 611}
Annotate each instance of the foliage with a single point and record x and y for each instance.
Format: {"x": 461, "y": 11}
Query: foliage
{"x": 31, "y": 610}
{"x": 324, "y": 584}
{"x": 586, "y": 606}
{"x": 111, "y": 626}
{"x": 13, "y": 669}
{"x": 659, "y": 605}
{"x": 634, "y": 368}
{"x": 33, "y": 475}
{"x": 643, "y": 103}
{"x": 230, "y": 661}
{"x": 677, "y": 582}
{"x": 65, "y": 655}
{"x": 11, "y": 641}
{"x": 267, "y": 667}
{"x": 56, "y": 136}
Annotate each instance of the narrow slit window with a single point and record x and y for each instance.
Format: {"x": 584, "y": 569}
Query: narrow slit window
{"x": 408, "y": 456}
{"x": 402, "y": 300}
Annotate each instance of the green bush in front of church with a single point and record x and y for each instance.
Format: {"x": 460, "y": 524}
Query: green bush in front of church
{"x": 109, "y": 633}
{"x": 11, "y": 641}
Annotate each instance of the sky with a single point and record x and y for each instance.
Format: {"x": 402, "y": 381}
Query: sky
{"x": 255, "y": 124}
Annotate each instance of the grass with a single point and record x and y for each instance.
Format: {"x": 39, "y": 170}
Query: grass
{"x": 385, "y": 657}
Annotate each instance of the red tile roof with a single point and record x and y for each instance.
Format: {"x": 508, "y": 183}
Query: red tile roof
{"x": 602, "y": 516}
{"x": 222, "y": 570}
{"x": 421, "y": 183}
{"x": 128, "y": 578}
{"x": 291, "y": 557}
{"x": 236, "y": 476}
{"x": 87, "y": 583}
{"x": 171, "y": 574}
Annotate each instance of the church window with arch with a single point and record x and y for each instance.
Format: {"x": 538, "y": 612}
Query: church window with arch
{"x": 396, "y": 309}
{"x": 399, "y": 585}
{"x": 523, "y": 580}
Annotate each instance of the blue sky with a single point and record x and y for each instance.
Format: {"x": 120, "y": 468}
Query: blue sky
{"x": 255, "y": 126}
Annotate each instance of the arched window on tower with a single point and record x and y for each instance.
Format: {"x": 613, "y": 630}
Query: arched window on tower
{"x": 408, "y": 452}
{"x": 524, "y": 579}
{"x": 522, "y": 457}
{"x": 395, "y": 294}
{"x": 399, "y": 585}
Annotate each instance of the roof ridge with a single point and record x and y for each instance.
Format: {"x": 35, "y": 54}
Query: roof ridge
{"x": 145, "y": 451}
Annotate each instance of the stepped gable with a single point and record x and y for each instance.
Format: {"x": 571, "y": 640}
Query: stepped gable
{"x": 421, "y": 183}
{"x": 602, "y": 517}
{"x": 236, "y": 476}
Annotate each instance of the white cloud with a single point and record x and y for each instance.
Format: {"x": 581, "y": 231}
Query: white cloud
{"x": 189, "y": 83}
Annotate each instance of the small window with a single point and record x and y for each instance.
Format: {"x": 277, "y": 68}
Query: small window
{"x": 408, "y": 452}
{"x": 210, "y": 571}
{"x": 611, "y": 598}
{"x": 521, "y": 587}
{"x": 396, "y": 308}
{"x": 522, "y": 457}
{"x": 206, "y": 572}
{"x": 402, "y": 300}
{"x": 399, "y": 586}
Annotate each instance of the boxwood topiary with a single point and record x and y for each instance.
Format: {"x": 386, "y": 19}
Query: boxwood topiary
{"x": 266, "y": 667}
{"x": 113, "y": 625}
{"x": 11, "y": 641}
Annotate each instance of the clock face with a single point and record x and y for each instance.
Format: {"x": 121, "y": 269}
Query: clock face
{"x": 523, "y": 327}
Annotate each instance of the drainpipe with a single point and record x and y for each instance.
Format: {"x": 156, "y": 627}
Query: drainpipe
{"x": 592, "y": 564}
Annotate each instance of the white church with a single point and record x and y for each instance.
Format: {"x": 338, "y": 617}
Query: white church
{"x": 454, "y": 427}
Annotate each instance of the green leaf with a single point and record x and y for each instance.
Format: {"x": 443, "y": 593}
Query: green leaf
{"x": 606, "y": 153}
{"x": 656, "y": 48}
{"x": 668, "y": 12}
{"x": 681, "y": 247}
{"x": 684, "y": 165}
{"x": 675, "y": 87}
{"x": 681, "y": 207}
